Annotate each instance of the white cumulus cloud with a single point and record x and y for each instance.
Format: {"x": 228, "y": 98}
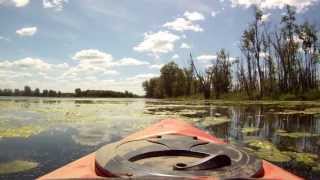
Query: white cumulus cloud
{"x": 206, "y": 57}
{"x": 175, "y": 56}
{"x": 182, "y": 24}
{"x": 265, "y": 17}
{"x": 130, "y": 62}
{"x": 272, "y": 4}
{"x": 4, "y": 38}
{"x": 142, "y": 77}
{"x": 159, "y": 42}
{"x": 54, "y": 4}
{"x": 194, "y": 16}
{"x": 26, "y": 64}
{"x": 92, "y": 56}
{"x": 156, "y": 66}
{"x": 17, "y": 3}
{"x": 186, "y": 23}
{"x": 185, "y": 46}
{"x": 27, "y": 31}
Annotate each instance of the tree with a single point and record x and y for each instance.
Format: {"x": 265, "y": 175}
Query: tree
{"x": 221, "y": 73}
{"x": 205, "y": 80}
{"x": 45, "y": 93}
{"x": 169, "y": 78}
{"x": 27, "y": 91}
{"x": 52, "y": 93}
{"x": 16, "y": 92}
{"x": 77, "y": 92}
{"x": 37, "y": 92}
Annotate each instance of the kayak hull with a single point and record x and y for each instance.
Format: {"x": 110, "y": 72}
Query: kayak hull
{"x": 85, "y": 166}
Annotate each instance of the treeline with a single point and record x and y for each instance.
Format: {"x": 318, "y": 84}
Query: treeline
{"x": 103, "y": 93}
{"x": 282, "y": 62}
{"x": 27, "y": 91}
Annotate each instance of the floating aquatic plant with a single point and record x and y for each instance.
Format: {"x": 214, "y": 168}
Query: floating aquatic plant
{"x": 304, "y": 159}
{"x": 213, "y": 121}
{"x": 314, "y": 110}
{"x": 21, "y": 132}
{"x": 297, "y": 134}
{"x": 17, "y": 166}
{"x": 247, "y": 130}
{"x": 266, "y": 150}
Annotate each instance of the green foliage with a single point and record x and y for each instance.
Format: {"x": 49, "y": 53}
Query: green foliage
{"x": 173, "y": 82}
{"x": 177, "y": 82}
{"x": 311, "y": 95}
{"x": 78, "y": 93}
{"x": 287, "y": 97}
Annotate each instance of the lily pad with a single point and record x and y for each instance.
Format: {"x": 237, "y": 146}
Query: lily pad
{"x": 273, "y": 156}
{"x": 297, "y": 134}
{"x": 305, "y": 159}
{"x": 258, "y": 144}
{"x": 281, "y": 131}
{"x": 213, "y": 121}
{"x": 17, "y": 166}
{"x": 316, "y": 168}
{"x": 266, "y": 150}
{"x": 314, "y": 110}
{"x": 247, "y": 130}
{"x": 188, "y": 112}
{"x": 21, "y": 132}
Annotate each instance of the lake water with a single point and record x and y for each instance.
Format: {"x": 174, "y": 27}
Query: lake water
{"x": 38, "y": 135}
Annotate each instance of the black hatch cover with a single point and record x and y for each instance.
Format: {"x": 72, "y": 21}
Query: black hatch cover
{"x": 175, "y": 156}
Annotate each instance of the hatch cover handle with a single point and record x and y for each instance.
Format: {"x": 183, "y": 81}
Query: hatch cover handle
{"x": 209, "y": 162}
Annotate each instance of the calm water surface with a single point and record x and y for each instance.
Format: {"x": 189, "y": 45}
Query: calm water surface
{"x": 38, "y": 135}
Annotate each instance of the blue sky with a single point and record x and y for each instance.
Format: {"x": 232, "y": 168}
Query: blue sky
{"x": 116, "y": 45}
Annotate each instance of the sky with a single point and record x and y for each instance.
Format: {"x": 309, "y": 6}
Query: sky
{"x": 116, "y": 45}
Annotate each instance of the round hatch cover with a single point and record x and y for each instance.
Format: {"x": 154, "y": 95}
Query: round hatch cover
{"x": 175, "y": 156}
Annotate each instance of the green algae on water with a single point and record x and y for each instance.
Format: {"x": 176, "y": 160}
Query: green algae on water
{"x": 213, "y": 121}
{"x": 20, "y": 132}
{"x": 281, "y": 131}
{"x": 297, "y": 134}
{"x": 258, "y": 144}
{"x": 304, "y": 159}
{"x": 247, "y": 130}
{"x": 17, "y": 166}
{"x": 314, "y": 110}
{"x": 266, "y": 150}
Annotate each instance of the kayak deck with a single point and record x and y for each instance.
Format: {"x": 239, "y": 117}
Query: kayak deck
{"x": 85, "y": 166}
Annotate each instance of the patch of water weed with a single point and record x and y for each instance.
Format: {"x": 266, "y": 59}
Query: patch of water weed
{"x": 303, "y": 159}
{"x": 213, "y": 121}
{"x": 247, "y": 130}
{"x": 297, "y": 112}
{"x": 313, "y": 110}
{"x": 266, "y": 150}
{"x": 21, "y": 132}
{"x": 191, "y": 112}
{"x": 297, "y": 134}
{"x": 91, "y": 136}
{"x": 84, "y": 101}
{"x": 17, "y": 166}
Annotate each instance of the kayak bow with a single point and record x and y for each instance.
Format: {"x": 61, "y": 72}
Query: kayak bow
{"x": 170, "y": 148}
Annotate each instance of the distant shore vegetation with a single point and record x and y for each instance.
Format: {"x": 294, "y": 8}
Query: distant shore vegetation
{"x": 27, "y": 91}
{"x": 279, "y": 63}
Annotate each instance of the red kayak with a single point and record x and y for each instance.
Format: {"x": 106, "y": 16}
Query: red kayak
{"x": 167, "y": 150}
